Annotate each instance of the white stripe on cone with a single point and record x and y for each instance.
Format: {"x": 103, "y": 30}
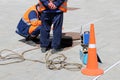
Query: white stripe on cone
{"x": 92, "y": 46}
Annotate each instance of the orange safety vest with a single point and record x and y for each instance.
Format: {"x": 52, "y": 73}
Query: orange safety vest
{"x": 26, "y": 15}
{"x": 27, "y": 20}
{"x": 63, "y": 7}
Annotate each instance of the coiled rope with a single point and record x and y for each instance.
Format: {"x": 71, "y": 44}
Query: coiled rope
{"x": 56, "y": 62}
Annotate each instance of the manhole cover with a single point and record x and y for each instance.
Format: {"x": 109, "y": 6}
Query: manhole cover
{"x": 73, "y": 35}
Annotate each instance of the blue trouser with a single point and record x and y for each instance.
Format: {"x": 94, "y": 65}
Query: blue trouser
{"x": 47, "y": 20}
{"x": 36, "y": 32}
{"x": 23, "y": 28}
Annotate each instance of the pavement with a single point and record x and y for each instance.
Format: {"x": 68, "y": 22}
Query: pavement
{"x": 81, "y": 13}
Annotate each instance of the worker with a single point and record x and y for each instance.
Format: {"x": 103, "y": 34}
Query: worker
{"x": 51, "y": 14}
{"x": 30, "y": 24}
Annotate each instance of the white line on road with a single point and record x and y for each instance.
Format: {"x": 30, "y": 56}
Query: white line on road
{"x": 94, "y": 21}
{"x": 118, "y": 62}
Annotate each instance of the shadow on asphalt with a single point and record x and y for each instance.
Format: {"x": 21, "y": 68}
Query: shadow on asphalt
{"x": 66, "y": 42}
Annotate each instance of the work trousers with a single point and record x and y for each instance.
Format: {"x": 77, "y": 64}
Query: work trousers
{"x": 23, "y": 28}
{"x": 36, "y": 32}
{"x": 47, "y": 20}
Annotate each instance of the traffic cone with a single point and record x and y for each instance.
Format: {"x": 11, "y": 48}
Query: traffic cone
{"x": 92, "y": 63}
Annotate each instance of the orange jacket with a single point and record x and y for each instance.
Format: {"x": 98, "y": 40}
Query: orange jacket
{"x": 63, "y": 7}
{"x": 34, "y": 23}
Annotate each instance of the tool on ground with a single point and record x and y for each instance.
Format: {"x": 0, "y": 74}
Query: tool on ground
{"x": 84, "y": 51}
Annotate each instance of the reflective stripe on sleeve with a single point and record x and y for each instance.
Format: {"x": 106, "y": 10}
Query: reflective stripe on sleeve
{"x": 33, "y": 19}
{"x": 26, "y": 22}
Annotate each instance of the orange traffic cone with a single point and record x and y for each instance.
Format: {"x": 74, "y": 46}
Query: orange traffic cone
{"x": 92, "y": 64}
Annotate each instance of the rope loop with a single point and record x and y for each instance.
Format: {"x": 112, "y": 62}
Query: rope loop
{"x": 52, "y": 61}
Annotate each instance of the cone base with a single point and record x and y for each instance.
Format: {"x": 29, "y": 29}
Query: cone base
{"x": 92, "y": 72}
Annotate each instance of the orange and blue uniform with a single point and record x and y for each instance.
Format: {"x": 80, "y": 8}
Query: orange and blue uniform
{"x": 30, "y": 23}
{"x": 49, "y": 17}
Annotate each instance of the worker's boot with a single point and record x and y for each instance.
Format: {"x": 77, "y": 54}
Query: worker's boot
{"x": 27, "y": 38}
{"x": 34, "y": 39}
{"x": 43, "y": 49}
{"x": 55, "y": 50}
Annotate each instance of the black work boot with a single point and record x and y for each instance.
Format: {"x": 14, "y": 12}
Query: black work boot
{"x": 43, "y": 49}
{"x": 27, "y": 38}
{"x": 55, "y": 50}
{"x": 34, "y": 39}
